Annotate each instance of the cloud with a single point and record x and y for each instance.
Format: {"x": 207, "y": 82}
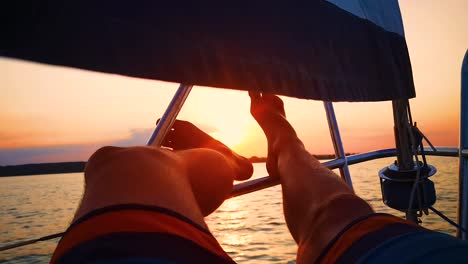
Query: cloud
{"x": 137, "y": 137}
{"x": 76, "y": 152}
{"x": 45, "y": 154}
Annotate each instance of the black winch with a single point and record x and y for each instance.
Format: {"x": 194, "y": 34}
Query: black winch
{"x": 402, "y": 187}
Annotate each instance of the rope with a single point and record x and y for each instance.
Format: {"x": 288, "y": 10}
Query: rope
{"x": 32, "y": 241}
{"x": 448, "y": 219}
{"x": 416, "y": 138}
{"x": 414, "y": 148}
{"x": 412, "y": 129}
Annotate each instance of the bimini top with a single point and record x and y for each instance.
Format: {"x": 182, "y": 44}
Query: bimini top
{"x": 336, "y": 50}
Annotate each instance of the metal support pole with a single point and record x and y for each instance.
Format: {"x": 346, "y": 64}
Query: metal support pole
{"x": 403, "y": 143}
{"x": 463, "y": 159}
{"x": 337, "y": 143}
{"x": 402, "y": 140}
{"x": 170, "y": 115}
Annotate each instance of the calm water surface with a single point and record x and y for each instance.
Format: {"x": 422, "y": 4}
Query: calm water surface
{"x": 250, "y": 228}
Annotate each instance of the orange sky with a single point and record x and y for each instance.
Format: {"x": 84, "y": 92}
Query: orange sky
{"x": 56, "y": 108}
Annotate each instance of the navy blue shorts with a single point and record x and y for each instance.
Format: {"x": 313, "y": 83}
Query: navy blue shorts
{"x": 383, "y": 238}
{"x": 138, "y": 234}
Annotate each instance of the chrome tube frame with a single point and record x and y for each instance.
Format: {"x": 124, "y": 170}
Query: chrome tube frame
{"x": 342, "y": 161}
{"x": 265, "y": 182}
{"x": 463, "y": 159}
{"x": 169, "y": 115}
{"x": 337, "y": 143}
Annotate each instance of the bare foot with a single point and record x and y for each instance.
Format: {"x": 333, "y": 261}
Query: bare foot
{"x": 269, "y": 112}
{"x": 185, "y": 135}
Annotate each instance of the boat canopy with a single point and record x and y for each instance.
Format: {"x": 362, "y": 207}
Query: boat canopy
{"x": 336, "y": 50}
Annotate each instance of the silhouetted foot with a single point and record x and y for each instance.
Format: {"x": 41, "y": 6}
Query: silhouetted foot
{"x": 185, "y": 135}
{"x": 269, "y": 112}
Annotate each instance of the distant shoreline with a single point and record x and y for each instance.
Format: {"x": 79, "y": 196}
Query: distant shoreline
{"x": 78, "y": 166}
{"x": 42, "y": 168}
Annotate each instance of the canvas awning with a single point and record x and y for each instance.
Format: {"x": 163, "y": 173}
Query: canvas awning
{"x": 336, "y": 50}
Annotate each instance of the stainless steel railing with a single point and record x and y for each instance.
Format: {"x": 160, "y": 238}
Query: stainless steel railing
{"x": 342, "y": 161}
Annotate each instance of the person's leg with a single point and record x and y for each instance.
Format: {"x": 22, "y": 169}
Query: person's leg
{"x": 149, "y": 202}
{"x": 138, "y": 175}
{"x": 193, "y": 179}
{"x": 317, "y": 203}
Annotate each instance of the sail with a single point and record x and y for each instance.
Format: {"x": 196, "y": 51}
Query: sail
{"x": 336, "y": 50}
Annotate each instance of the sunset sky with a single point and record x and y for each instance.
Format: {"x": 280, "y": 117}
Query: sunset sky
{"x": 50, "y": 113}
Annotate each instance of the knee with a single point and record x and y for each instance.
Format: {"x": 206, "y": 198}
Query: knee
{"x": 115, "y": 160}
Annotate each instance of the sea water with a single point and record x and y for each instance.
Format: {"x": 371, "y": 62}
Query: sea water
{"x": 251, "y": 228}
